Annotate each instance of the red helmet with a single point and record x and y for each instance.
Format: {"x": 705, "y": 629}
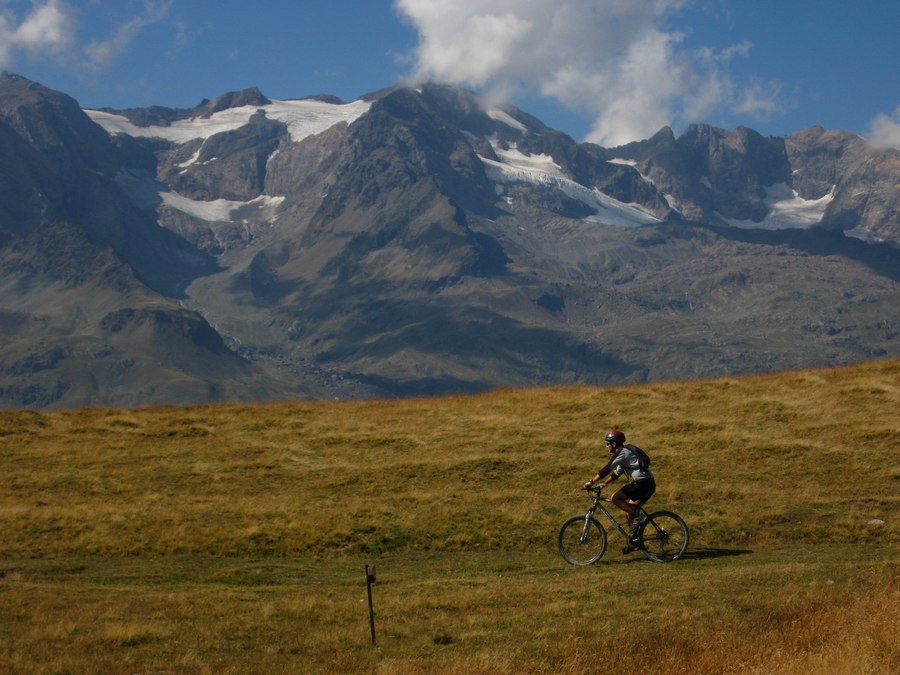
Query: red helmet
{"x": 615, "y": 436}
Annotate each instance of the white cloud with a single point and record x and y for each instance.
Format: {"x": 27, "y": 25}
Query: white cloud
{"x": 760, "y": 100}
{"x": 613, "y": 60}
{"x": 104, "y": 53}
{"x": 884, "y": 130}
{"x": 49, "y": 30}
{"x": 639, "y": 93}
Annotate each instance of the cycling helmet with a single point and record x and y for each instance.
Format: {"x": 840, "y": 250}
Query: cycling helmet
{"x": 615, "y": 436}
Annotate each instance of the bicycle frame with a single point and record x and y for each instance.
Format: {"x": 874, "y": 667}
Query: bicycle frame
{"x": 598, "y": 504}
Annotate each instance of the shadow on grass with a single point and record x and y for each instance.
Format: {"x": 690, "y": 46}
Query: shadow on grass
{"x": 698, "y": 554}
{"x": 707, "y": 553}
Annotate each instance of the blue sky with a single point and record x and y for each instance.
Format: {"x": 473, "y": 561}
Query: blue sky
{"x": 608, "y": 71}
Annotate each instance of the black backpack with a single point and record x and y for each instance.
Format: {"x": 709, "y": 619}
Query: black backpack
{"x": 643, "y": 457}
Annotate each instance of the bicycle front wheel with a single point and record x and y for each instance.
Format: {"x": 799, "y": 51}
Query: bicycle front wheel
{"x": 664, "y": 536}
{"x": 581, "y": 542}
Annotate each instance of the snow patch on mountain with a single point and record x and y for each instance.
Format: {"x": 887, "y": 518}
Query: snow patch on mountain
{"x": 624, "y": 162}
{"x": 507, "y": 119}
{"x": 529, "y": 168}
{"x": 787, "y": 210}
{"x": 189, "y": 162}
{"x": 145, "y": 192}
{"x": 540, "y": 170}
{"x": 865, "y": 234}
{"x": 263, "y": 207}
{"x": 308, "y": 117}
{"x": 303, "y": 118}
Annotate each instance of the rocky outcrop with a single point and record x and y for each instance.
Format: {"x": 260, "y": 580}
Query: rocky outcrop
{"x": 717, "y": 176}
{"x": 865, "y": 182}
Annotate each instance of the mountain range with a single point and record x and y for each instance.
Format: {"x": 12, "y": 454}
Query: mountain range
{"x": 414, "y": 242}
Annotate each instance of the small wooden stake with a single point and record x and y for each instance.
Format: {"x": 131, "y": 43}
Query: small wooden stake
{"x": 370, "y": 579}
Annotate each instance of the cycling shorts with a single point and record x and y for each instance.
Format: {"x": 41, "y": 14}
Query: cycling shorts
{"x": 640, "y": 490}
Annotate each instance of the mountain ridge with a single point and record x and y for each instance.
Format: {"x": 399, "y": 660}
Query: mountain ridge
{"x": 411, "y": 242}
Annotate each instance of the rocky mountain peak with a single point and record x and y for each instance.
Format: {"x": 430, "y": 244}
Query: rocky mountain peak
{"x": 234, "y": 99}
{"x": 52, "y": 123}
{"x": 416, "y": 242}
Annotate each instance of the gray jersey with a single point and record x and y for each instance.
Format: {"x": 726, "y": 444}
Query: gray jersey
{"x": 627, "y": 462}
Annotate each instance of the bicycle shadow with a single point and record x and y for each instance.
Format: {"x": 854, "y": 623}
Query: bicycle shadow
{"x": 700, "y": 554}
{"x": 709, "y": 553}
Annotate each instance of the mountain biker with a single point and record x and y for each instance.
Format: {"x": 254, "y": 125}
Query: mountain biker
{"x": 624, "y": 459}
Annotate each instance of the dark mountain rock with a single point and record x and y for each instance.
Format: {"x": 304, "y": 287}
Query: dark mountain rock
{"x": 404, "y": 140}
{"x": 402, "y": 193}
{"x": 712, "y": 173}
{"x": 739, "y": 165}
{"x": 229, "y": 165}
{"x": 163, "y": 117}
{"x": 715, "y": 174}
{"x": 73, "y": 250}
{"x": 53, "y": 124}
{"x": 64, "y": 169}
{"x": 415, "y": 243}
{"x": 234, "y": 99}
{"x": 864, "y": 182}
{"x": 164, "y": 334}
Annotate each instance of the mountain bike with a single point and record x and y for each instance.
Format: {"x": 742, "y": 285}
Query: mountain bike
{"x": 661, "y": 536}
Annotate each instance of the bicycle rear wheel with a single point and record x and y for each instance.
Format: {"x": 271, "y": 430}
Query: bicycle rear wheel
{"x": 581, "y": 545}
{"x": 664, "y": 536}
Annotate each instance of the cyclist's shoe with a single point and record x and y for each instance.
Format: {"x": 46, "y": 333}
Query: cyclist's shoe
{"x": 636, "y": 525}
{"x": 634, "y": 542}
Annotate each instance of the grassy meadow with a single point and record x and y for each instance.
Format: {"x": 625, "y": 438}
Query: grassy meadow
{"x": 234, "y": 538}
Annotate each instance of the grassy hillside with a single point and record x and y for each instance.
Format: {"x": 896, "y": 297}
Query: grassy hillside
{"x": 232, "y": 538}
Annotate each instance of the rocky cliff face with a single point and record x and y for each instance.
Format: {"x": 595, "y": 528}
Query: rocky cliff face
{"x": 412, "y": 242}
{"x": 864, "y": 181}
{"x": 813, "y": 178}
{"x": 89, "y": 282}
{"x": 61, "y": 167}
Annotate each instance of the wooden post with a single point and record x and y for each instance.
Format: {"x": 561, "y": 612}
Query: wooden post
{"x": 370, "y": 579}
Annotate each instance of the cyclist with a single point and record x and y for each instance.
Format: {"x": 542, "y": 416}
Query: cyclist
{"x": 625, "y": 459}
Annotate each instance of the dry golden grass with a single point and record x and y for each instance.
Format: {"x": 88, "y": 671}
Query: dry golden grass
{"x": 826, "y": 609}
{"x": 232, "y": 538}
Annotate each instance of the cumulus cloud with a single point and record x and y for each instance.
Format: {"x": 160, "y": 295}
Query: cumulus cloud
{"x": 884, "y": 130}
{"x": 50, "y": 31}
{"x": 613, "y": 60}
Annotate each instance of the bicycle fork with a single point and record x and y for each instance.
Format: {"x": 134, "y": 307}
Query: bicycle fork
{"x": 586, "y": 530}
